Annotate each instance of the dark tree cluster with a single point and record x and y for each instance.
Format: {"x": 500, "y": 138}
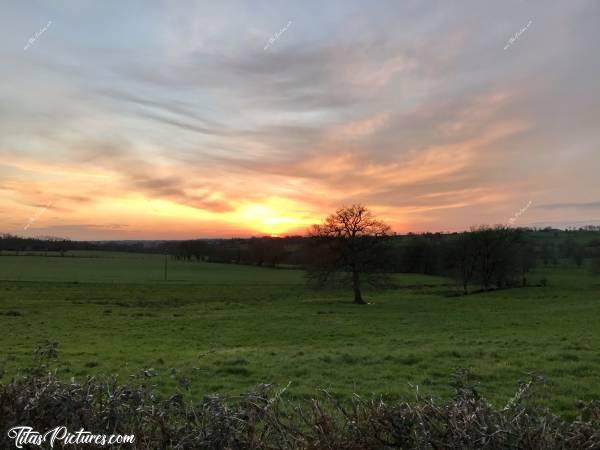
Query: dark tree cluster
{"x": 491, "y": 257}
{"x": 594, "y": 254}
{"x": 572, "y": 250}
{"x": 259, "y": 251}
{"x": 425, "y": 253}
{"x": 19, "y": 245}
{"x": 487, "y": 257}
{"x": 23, "y": 245}
{"x": 188, "y": 250}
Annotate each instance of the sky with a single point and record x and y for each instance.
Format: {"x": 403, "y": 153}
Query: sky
{"x": 181, "y": 119}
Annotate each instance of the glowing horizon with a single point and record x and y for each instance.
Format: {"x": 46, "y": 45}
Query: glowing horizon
{"x": 175, "y": 121}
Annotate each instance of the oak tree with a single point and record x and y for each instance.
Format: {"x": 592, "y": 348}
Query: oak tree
{"x": 350, "y": 242}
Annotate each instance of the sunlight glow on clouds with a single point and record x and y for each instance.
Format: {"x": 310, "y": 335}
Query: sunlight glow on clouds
{"x": 170, "y": 120}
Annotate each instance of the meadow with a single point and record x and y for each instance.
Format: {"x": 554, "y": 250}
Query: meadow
{"x": 221, "y": 328}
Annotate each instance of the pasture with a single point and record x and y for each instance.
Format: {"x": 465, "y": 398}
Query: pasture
{"x": 225, "y": 328}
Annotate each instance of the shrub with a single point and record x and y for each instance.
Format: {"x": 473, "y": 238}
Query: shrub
{"x": 263, "y": 419}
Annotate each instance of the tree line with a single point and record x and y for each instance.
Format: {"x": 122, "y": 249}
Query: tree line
{"x": 353, "y": 248}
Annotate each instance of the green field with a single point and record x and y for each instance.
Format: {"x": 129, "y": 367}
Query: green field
{"x": 226, "y": 328}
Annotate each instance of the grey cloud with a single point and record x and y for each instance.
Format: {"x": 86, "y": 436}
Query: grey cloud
{"x": 588, "y": 205}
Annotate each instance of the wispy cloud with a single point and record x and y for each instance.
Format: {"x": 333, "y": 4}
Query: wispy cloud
{"x": 571, "y": 205}
{"x": 403, "y": 106}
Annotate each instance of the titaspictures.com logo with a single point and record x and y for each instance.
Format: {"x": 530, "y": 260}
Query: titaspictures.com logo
{"x": 23, "y": 435}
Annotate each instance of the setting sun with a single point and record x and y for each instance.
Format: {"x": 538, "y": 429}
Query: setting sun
{"x": 272, "y": 218}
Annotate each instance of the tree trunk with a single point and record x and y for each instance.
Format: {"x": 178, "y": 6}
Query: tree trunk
{"x": 356, "y": 285}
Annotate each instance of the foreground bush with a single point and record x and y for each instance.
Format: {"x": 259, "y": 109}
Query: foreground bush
{"x": 265, "y": 420}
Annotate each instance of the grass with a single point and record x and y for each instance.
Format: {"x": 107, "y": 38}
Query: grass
{"x": 225, "y": 328}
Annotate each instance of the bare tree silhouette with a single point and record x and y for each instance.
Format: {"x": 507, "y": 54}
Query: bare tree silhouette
{"x": 350, "y": 242}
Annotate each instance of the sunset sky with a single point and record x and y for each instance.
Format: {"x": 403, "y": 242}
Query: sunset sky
{"x": 175, "y": 119}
